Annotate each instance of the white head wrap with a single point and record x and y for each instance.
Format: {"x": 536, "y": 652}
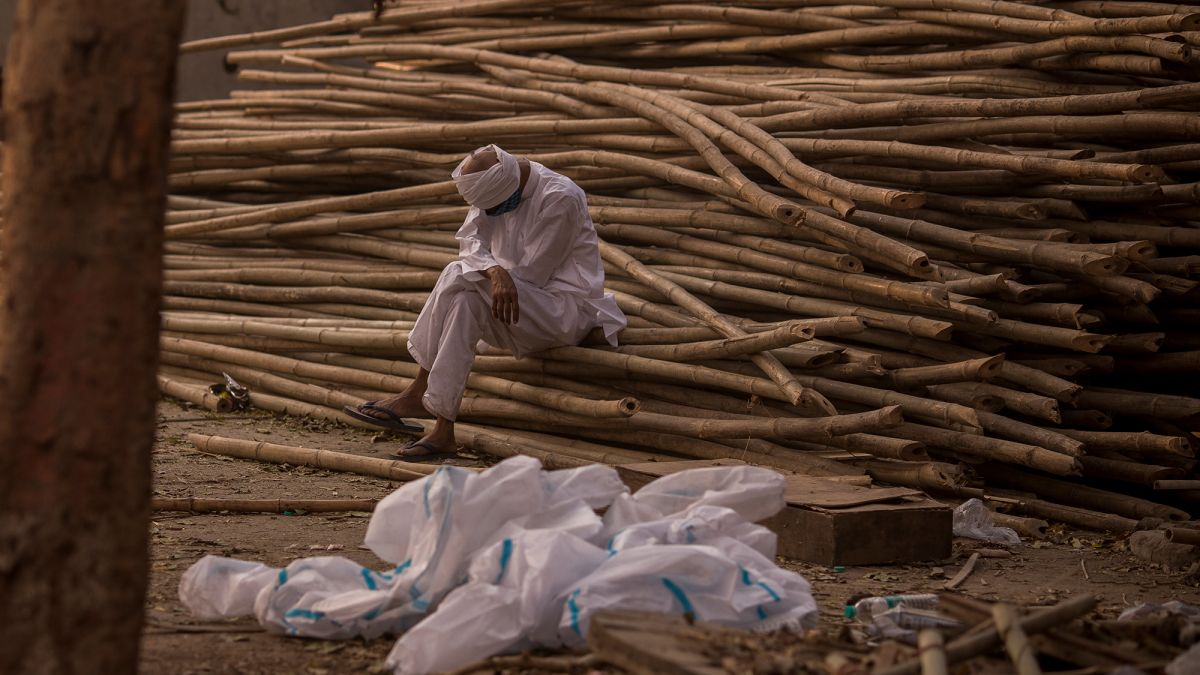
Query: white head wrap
{"x": 485, "y": 189}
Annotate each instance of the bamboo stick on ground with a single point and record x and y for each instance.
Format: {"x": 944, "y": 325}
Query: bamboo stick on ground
{"x": 323, "y": 459}
{"x": 218, "y": 505}
{"x": 1033, "y": 528}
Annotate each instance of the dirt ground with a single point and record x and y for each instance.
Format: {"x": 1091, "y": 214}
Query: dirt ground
{"x": 1068, "y": 563}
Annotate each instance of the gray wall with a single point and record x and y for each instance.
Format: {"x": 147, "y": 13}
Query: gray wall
{"x": 202, "y": 75}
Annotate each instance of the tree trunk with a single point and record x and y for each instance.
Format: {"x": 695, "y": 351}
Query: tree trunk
{"x": 87, "y": 110}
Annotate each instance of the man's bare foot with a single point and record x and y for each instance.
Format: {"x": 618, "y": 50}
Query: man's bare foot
{"x": 400, "y": 404}
{"x": 425, "y": 447}
{"x": 440, "y": 441}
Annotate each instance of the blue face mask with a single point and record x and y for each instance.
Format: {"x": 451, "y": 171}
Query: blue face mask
{"x": 507, "y": 205}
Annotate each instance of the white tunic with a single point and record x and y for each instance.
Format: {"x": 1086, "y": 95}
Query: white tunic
{"x": 549, "y": 246}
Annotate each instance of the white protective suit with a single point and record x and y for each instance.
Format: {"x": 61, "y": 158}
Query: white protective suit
{"x": 549, "y": 247}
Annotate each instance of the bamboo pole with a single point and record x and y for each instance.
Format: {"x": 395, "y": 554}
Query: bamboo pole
{"x": 230, "y": 505}
{"x": 770, "y": 365}
{"x": 1033, "y": 528}
{"x": 751, "y": 343}
{"x": 323, "y": 459}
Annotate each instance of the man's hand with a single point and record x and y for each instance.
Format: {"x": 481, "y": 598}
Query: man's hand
{"x": 504, "y": 295}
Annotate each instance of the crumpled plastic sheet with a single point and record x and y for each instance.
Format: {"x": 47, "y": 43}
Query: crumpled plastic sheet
{"x": 973, "y": 520}
{"x": 515, "y": 557}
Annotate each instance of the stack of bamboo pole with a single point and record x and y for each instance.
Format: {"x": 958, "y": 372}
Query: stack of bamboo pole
{"x": 954, "y": 244}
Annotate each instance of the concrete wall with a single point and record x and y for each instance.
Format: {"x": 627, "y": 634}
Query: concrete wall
{"x": 202, "y": 76}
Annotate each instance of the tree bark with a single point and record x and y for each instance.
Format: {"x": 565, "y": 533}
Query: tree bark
{"x": 87, "y": 110}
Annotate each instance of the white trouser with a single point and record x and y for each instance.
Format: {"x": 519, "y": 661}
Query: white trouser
{"x": 458, "y": 315}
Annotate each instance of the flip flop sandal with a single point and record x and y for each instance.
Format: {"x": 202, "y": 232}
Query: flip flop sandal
{"x": 393, "y": 421}
{"x": 432, "y": 454}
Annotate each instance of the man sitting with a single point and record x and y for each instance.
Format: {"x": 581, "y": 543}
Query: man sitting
{"x": 528, "y": 278}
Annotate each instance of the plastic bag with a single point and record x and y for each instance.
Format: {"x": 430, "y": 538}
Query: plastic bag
{"x": 687, "y": 543}
{"x": 699, "y": 524}
{"x": 515, "y": 557}
{"x": 973, "y": 520}
{"x": 215, "y": 587}
{"x": 726, "y": 582}
{"x": 518, "y": 588}
{"x": 509, "y": 603}
{"x": 753, "y": 492}
{"x": 428, "y": 529}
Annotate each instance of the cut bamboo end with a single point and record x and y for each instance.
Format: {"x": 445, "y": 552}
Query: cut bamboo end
{"x": 811, "y": 400}
{"x": 891, "y": 416}
{"x": 788, "y": 215}
{"x": 844, "y": 207}
{"x": 1104, "y": 265}
{"x": 1064, "y": 465}
{"x": 989, "y": 368}
{"x": 801, "y": 332}
{"x": 1049, "y": 410}
{"x": 911, "y": 452}
{"x": 1183, "y": 535}
{"x": 942, "y": 333}
{"x": 629, "y": 406}
{"x": 1033, "y": 528}
{"x": 1031, "y": 212}
{"x": 1145, "y": 173}
{"x": 1140, "y": 251}
{"x": 905, "y": 200}
{"x": 1020, "y": 293}
{"x": 921, "y": 268}
{"x": 1089, "y": 342}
